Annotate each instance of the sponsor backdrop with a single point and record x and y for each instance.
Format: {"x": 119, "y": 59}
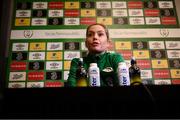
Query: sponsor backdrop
{"x": 47, "y": 34}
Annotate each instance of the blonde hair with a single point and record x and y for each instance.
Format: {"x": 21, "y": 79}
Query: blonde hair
{"x": 105, "y": 28}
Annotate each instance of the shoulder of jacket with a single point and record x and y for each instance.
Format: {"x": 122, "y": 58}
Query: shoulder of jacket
{"x": 75, "y": 59}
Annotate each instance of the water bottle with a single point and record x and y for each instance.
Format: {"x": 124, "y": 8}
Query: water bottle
{"x": 123, "y": 74}
{"x": 94, "y": 75}
{"x": 81, "y": 74}
{"x": 134, "y": 72}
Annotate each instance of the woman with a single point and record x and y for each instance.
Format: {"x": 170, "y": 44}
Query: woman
{"x": 98, "y": 42}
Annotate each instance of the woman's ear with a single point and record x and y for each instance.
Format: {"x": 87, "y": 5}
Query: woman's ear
{"x": 110, "y": 45}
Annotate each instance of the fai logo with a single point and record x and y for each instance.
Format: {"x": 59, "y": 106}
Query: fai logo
{"x": 28, "y": 33}
{"x": 164, "y": 32}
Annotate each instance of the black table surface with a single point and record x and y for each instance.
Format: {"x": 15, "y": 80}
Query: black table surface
{"x": 153, "y": 101}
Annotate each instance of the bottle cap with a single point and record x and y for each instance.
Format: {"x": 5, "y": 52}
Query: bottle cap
{"x": 80, "y": 62}
{"x": 133, "y": 60}
{"x": 121, "y": 63}
{"x": 81, "y": 59}
{"x": 93, "y": 64}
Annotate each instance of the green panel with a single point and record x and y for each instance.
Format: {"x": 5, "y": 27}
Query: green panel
{"x": 158, "y": 58}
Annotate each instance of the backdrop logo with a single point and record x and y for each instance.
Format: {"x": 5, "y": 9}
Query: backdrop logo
{"x": 28, "y": 33}
{"x": 164, "y": 32}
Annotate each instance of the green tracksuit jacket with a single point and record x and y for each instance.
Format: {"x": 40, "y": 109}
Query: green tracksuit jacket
{"x": 107, "y": 63}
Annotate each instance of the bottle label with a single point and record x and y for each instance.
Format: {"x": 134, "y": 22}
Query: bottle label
{"x": 124, "y": 80}
{"x": 123, "y": 75}
{"x": 94, "y": 77}
{"x": 94, "y": 81}
{"x": 93, "y": 72}
{"x": 123, "y": 70}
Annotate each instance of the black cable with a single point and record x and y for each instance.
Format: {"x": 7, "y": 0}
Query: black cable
{"x": 147, "y": 90}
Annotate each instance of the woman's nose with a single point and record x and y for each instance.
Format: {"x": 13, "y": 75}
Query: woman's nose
{"x": 95, "y": 36}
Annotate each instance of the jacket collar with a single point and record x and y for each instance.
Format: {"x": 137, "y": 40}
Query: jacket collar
{"x": 95, "y": 57}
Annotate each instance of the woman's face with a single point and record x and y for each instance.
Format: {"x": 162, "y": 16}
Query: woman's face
{"x": 96, "y": 39}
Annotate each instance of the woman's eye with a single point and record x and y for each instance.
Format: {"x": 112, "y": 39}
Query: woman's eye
{"x": 101, "y": 34}
{"x": 89, "y": 35}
